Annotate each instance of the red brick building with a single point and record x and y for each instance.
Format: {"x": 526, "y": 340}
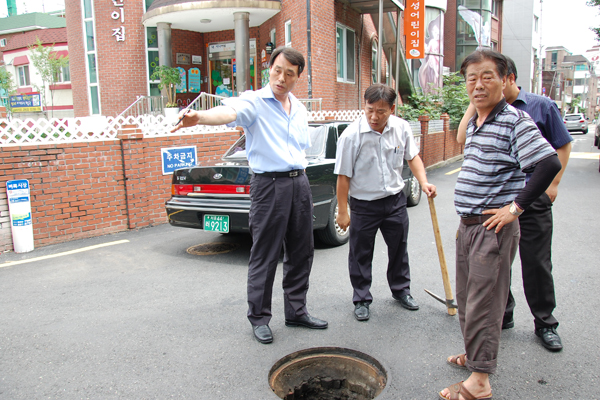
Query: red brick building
{"x": 115, "y": 45}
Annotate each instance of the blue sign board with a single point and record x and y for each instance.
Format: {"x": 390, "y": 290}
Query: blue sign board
{"x": 178, "y": 157}
{"x": 30, "y": 102}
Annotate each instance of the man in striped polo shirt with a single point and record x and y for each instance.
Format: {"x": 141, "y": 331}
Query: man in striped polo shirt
{"x": 535, "y": 245}
{"x": 502, "y": 144}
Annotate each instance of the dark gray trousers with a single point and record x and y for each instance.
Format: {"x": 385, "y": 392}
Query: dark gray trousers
{"x": 367, "y": 217}
{"x": 280, "y": 215}
{"x": 483, "y": 261}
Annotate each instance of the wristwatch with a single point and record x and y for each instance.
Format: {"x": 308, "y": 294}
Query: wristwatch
{"x": 514, "y": 209}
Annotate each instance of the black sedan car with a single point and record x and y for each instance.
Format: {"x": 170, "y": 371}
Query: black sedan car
{"x": 217, "y": 197}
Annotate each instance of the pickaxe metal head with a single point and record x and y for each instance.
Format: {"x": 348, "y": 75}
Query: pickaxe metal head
{"x": 448, "y": 302}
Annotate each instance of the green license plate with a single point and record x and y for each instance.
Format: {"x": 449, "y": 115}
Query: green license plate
{"x": 216, "y": 223}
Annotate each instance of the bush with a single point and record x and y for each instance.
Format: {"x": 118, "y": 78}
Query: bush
{"x": 451, "y": 98}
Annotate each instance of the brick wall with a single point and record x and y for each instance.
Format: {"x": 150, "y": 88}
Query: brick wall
{"x": 77, "y": 58}
{"x": 77, "y": 189}
{"x": 437, "y": 147}
{"x": 450, "y": 37}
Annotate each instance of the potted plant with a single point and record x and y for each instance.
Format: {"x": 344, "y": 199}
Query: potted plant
{"x": 169, "y": 79}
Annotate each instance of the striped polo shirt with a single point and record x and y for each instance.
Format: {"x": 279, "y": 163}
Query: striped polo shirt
{"x": 496, "y": 153}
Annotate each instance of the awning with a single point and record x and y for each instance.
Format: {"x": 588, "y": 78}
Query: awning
{"x": 59, "y": 54}
{"x": 20, "y": 60}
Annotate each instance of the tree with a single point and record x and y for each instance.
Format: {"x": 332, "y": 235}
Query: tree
{"x": 451, "y": 98}
{"x": 169, "y": 79}
{"x": 7, "y": 85}
{"x": 595, "y": 3}
{"x": 48, "y": 66}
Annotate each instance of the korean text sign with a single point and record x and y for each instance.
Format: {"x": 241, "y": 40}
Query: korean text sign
{"x": 178, "y": 157}
{"x": 414, "y": 28}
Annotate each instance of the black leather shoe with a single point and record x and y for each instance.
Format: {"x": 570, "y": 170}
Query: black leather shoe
{"x": 550, "y": 338}
{"x": 407, "y": 302}
{"x": 508, "y": 323}
{"x": 307, "y": 321}
{"x": 263, "y": 333}
{"x": 361, "y": 311}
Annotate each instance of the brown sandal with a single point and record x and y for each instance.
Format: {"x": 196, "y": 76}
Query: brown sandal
{"x": 454, "y": 361}
{"x": 458, "y": 389}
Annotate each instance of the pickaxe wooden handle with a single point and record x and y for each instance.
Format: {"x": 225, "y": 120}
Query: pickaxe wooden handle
{"x": 438, "y": 241}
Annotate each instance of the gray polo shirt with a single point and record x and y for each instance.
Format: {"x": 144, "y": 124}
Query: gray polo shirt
{"x": 373, "y": 161}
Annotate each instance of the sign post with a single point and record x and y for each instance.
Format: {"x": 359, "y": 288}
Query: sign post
{"x": 19, "y": 208}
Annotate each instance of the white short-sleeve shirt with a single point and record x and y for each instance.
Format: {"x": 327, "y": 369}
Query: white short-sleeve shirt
{"x": 373, "y": 161}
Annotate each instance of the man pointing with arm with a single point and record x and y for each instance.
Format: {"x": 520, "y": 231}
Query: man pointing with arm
{"x": 281, "y": 201}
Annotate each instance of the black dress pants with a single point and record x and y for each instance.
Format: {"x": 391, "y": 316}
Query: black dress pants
{"x": 280, "y": 215}
{"x": 366, "y": 218}
{"x": 535, "y": 250}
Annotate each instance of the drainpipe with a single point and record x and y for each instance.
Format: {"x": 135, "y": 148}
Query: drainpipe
{"x": 308, "y": 51}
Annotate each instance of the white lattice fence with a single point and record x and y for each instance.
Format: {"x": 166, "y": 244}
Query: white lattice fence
{"x": 17, "y": 132}
{"x": 338, "y": 115}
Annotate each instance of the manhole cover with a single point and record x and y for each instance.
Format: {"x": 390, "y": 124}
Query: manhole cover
{"x": 207, "y": 249}
{"x": 327, "y": 373}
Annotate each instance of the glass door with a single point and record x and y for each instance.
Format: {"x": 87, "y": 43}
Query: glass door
{"x": 222, "y": 78}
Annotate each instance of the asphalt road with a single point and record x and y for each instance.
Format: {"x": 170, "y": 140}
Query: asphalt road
{"x": 139, "y": 318}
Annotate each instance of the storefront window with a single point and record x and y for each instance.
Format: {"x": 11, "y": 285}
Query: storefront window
{"x": 473, "y": 27}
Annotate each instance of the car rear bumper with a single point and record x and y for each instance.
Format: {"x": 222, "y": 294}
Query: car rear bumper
{"x": 189, "y": 212}
{"x": 576, "y": 127}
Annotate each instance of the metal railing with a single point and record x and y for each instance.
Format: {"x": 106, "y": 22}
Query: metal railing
{"x": 312, "y": 104}
{"x": 145, "y": 105}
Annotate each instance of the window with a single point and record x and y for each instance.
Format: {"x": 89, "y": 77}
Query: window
{"x": 288, "y": 33}
{"x": 495, "y": 8}
{"x": 374, "y": 49}
{"x": 536, "y": 21}
{"x": 2, "y": 42}
{"x": 579, "y": 81}
{"x": 345, "y": 39}
{"x": 152, "y": 52}
{"x": 92, "y": 70}
{"x": 273, "y": 38}
{"x": 581, "y": 67}
{"x": 63, "y": 75}
{"x": 23, "y": 75}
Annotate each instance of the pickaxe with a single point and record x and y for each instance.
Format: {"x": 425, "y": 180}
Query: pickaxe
{"x": 449, "y": 301}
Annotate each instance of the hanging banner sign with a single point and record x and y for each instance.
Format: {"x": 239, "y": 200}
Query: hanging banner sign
{"x": 414, "y": 28}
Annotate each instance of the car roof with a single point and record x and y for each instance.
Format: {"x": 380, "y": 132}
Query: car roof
{"x": 328, "y": 122}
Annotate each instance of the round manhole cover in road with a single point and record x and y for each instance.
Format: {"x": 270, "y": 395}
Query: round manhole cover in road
{"x": 327, "y": 373}
{"x": 208, "y": 249}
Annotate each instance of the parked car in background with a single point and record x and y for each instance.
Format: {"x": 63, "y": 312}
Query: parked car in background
{"x": 216, "y": 197}
{"x": 576, "y": 123}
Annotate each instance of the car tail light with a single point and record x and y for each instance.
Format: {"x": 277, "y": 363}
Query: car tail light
{"x": 184, "y": 190}
{"x": 582, "y": 121}
{"x": 181, "y": 190}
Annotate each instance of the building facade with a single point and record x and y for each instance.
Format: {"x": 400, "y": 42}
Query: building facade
{"x": 217, "y": 45}
{"x": 18, "y": 34}
{"x": 471, "y": 24}
{"x": 521, "y": 41}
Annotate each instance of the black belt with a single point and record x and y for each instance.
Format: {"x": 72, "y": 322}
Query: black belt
{"x": 288, "y": 174}
{"x": 475, "y": 219}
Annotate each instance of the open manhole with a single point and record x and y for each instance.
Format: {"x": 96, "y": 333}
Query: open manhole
{"x": 327, "y": 373}
{"x": 208, "y": 249}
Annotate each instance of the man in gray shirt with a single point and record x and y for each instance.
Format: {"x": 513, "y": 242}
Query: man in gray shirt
{"x": 369, "y": 162}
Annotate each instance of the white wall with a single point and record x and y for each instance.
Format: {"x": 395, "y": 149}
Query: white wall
{"x": 520, "y": 41}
